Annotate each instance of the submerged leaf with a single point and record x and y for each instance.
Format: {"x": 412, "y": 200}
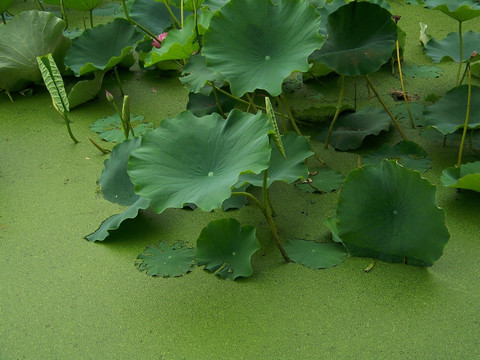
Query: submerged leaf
{"x": 198, "y": 160}
{"x": 448, "y": 114}
{"x": 315, "y": 255}
{"x": 390, "y": 212}
{"x": 256, "y": 44}
{"x": 225, "y": 247}
{"x": 166, "y": 260}
{"x": 406, "y": 153}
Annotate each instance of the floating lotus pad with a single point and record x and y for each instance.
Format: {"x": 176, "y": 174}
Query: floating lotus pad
{"x": 110, "y": 128}
{"x": 323, "y": 180}
{"x": 390, "y": 212}
{"x": 225, "y": 247}
{"x": 361, "y": 38}
{"x": 102, "y": 47}
{"x": 28, "y": 35}
{"x": 198, "y": 160}
{"x": 256, "y": 44}
{"x": 467, "y": 176}
{"x": 167, "y": 260}
{"x": 315, "y": 255}
{"x": 448, "y": 114}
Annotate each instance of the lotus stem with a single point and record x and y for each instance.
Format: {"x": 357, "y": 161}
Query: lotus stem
{"x": 69, "y": 129}
{"x": 90, "y": 13}
{"x": 395, "y": 122}
{"x": 64, "y": 13}
{"x": 9, "y": 96}
{"x": 250, "y": 102}
{"x": 3, "y": 19}
{"x": 251, "y": 197}
{"x": 181, "y": 13}
{"x": 195, "y": 16}
{"x": 467, "y": 116}
{"x": 119, "y": 82}
{"x": 284, "y": 124}
{"x": 101, "y": 149}
{"x": 268, "y": 213}
{"x": 145, "y": 30}
{"x": 461, "y": 52}
{"x": 289, "y": 112}
{"x": 40, "y": 6}
{"x": 217, "y": 99}
{"x": 405, "y": 97}
{"x": 337, "y": 112}
{"x": 172, "y": 15}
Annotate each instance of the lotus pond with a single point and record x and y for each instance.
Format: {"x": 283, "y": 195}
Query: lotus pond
{"x": 243, "y": 179}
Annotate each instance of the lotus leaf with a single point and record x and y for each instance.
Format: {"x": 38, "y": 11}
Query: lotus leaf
{"x": 256, "y": 44}
{"x": 152, "y": 15}
{"x": 447, "y": 115}
{"x": 114, "y": 222}
{"x": 225, "y": 247}
{"x": 389, "y": 212}
{"x": 28, "y": 35}
{"x": 85, "y": 90}
{"x": 449, "y": 47}
{"x": 467, "y": 176}
{"x": 315, "y": 255}
{"x": 167, "y": 260}
{"x": 288, "y": 170}
{"x": 235, "y": 202}
{"x": 406, "y": 153}
{"x": 202, "y": 105}
{"x": 102, "y": 47}
{"x": 197, "y": 160}
{"x": 196, "y": 74}
{"x": 110, "y": 128}
{"x": 417, "y": 110}
{"x": 4, "y": 5}
{"x": 361, "y": 38}
{"x": 352, "y": 128}
{"x": 459, "y": 10}
{"x": 214, "y": 5}
{"x": 114, "y": 180}
{"x": 179, "y": 44}
{"x": 323, "y": 180}
{"x": 84, "y": 5}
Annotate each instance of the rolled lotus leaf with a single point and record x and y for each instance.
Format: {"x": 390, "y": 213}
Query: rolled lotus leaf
{"x": 256, "y": 44}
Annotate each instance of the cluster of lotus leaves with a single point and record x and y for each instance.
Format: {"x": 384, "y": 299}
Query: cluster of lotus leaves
{"x": 28, "y": 35}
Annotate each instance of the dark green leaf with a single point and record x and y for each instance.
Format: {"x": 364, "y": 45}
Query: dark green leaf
{"x": 323, "y": 180}
{"x": 315, "y": 255}
{"x": 110, "y": 128}
{"x": 450, "y": 47}
{"x": 224, "y": 247}
{"x": 460, "y": 10}
{"x": 202, "y": 105}
{"x": 166, "y": 260}
{"x": 424, "y": 72}
{"x": 465, "y": 177}
{"x": 85, "y": 90}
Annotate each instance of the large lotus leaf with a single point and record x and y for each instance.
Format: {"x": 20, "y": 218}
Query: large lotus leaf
{"x": 225, "y": 247}
{"x": 196, "y": 74}
{"x": 460, "y": 10}
{"x": 102, "y": 47}
{"x": 114, "y": 180}
{"x": 84, "y": 5}
{"x": 352, "y": 128}
{"x": 406, "y": 153}
{"x": 256, "y": 44}
{"x": 198, "y": 160}
{"x": 322, "y": 180}
{"x": 290, "y": 169}
{"x": 360, "y": 39}
{"x": 315, "y": 255}
{"x": 4, "y": 5}
{"x": 449, "y": 47}
{"x": 110, "y": 128}
{"x": 85, "y": 90}
{"x": 28, "y": 35}
{"x": 179, "y": 44}
{"x": 214, "y": 5}
{"x": 389, "y": 212}
{"x": 447, "y": 115}
{"x": 152, "y": 15}
{"x": 167, "y": 260}
{"x": 465, "y": 177}
{"x": 114, "y": 221}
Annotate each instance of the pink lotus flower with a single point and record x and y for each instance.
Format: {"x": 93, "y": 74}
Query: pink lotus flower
{"x": 158, "y": 43}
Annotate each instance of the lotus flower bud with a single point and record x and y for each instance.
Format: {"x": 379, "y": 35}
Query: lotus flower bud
{"x": 109, "y": 96}
{"x": 158, "y": 43}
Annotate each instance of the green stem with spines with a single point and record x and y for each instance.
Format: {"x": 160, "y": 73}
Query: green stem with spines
{"x": 461, "y": 52}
